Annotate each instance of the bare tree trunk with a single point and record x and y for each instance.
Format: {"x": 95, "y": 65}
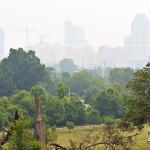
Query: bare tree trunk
{"x": 39, "y": 125}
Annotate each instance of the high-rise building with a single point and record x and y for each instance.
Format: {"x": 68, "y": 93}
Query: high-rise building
{"x": 1, "y": 43}
{"x": 73, "y": 35}
{"x": 138, "y": 42}
{"x": 76, "y": 47}
{"x": 140, "y": 32}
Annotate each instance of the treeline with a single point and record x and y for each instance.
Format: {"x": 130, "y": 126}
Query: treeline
{"x": 59, "y": 109}
{"x": 83, "y": 97}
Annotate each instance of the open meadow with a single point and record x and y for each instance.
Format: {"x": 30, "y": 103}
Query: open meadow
{"x": 64, "y": 136}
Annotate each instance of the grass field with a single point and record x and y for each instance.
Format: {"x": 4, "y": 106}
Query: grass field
{"x": 64, "y": 136}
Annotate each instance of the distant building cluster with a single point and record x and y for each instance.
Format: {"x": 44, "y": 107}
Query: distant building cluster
{"x": 75, "y": 47}
{"x": 136, "y": 50}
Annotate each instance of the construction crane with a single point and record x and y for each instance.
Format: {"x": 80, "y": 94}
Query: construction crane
{"x": 42, "y": 38}
{"x": 27, "y": 30}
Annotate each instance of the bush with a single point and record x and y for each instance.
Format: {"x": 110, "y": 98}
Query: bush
{"x": 70, "y": 125}
{"x": 50, "y": 133}
{"x": 35, "y": 145}
{"x": 108, "y": 120}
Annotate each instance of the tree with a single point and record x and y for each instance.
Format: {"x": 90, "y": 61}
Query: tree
{"x": 93, "y": 116}
{"x": 70, "y": 125}
{"x": 120, "y": 75}
{"x": 22, "y": 137}
{"x": 138, "y": 105}
{"x": 38, "y": 90}
{"x": 95, "y": 87}
{"x": 108, "y": 103}
{"x": 54, "y": 110}
{"x": 82, "y": 80}
{"x": 22, "y": 69}
{"x": 24, "y": 101}
{"x": 67, "y": 65}
{"x": 74, "y": 110}
{"x": 62, "y": 90}
{"x": 66, "y": 78}
{"x": 3, "y": 117}
{"x": 7, "y": 85}
{"x": 51, "y": 72}
{"x": 6, "y": 111}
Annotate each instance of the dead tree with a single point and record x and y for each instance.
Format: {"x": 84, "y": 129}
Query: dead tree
{"x": 39, "y": 125}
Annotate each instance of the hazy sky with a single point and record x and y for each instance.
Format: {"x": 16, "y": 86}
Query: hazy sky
{"x": 105, "y": 21}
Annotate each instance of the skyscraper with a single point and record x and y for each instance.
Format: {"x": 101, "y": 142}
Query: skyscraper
{"x": 140, "y": 32}
{"x": 138, "y": 42}
{"x": 73, "y": 35}
{"x": 76, "y": 47}
{"x": 1, "y": 43}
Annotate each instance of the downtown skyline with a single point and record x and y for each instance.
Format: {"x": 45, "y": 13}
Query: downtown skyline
{"x": 105, "y": 22}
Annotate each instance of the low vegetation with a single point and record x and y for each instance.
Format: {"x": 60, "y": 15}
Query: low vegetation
{"x": 139, "y": 144}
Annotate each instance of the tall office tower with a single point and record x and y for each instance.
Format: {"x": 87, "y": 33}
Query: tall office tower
{"x": 76, "y": 47}
{"x": 1, "y": 43}
{"x": 138, "y": 42}
{"x": 73, "y": 35}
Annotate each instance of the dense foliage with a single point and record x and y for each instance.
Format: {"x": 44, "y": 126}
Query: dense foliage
{"x": 22, "y": 137}
{"x": 20, "y": 71}
{"x": 139, "y": 103}
{"x": 83, "y": 97}
{"x": 120, "y": 75}
{"x": 68, "y": 98}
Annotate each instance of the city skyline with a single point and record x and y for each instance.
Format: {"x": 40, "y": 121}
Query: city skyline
{"x": 133, "y": 53}
{"x": 23, "y": 32}
{"x": 77, "y": 48}
{"x": 48, "y": 17}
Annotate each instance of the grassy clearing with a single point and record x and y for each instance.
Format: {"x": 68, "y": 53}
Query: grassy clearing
{"x": 141, "y": 142}
{"x": 64, "y": 136}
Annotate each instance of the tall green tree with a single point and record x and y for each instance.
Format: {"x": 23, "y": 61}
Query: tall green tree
{"x": 22, "y": 69}
{"x": 74, "y": 110}
{"x": 108, "y": 103}
{"x": 139, "y": 103}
